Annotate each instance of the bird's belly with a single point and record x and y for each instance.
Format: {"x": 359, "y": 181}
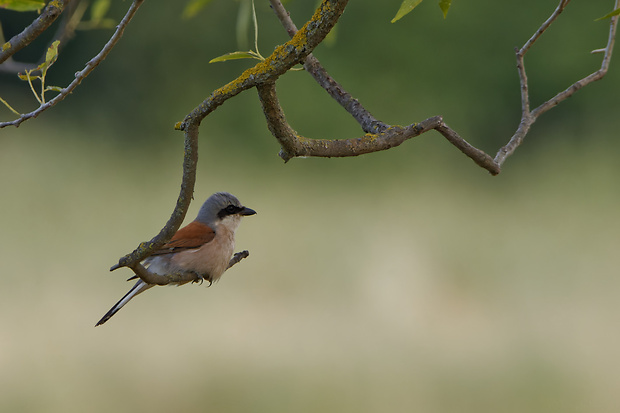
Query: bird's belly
{"x": 210, "y": 261}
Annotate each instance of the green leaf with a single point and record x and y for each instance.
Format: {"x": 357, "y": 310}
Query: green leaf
{"x": 609, "y": 15}
{"x": 52, "y": 53}
{"x": 22, "y": 5}
{"x": 53, "y": 88}
{"x": 27, "y": 76}
{"x": 444, "y": 5}
{"x": 405, "y": 7}
{"x": 234, "y": 56}
{"x": 193, "y": 7}
{"x": 50, "y": 57}
{"x": 99, "y": 10}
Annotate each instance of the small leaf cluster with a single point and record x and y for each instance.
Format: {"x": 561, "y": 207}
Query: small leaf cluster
{"x": 50, "y": 58}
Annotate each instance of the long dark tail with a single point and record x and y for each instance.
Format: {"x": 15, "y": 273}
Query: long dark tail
{"x": 138, "y": 287}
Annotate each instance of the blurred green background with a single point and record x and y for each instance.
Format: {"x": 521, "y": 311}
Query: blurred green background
{"x": 407, "y": 280}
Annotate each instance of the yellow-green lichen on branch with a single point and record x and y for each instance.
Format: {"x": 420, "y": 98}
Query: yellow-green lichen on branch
{"x": 283, "y": 58}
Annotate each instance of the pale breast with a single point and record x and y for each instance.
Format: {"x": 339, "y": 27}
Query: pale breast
{"x": 210, "y": 260}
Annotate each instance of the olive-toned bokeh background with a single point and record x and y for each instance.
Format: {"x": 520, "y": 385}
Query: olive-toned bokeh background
{"x": 408, "y": 280}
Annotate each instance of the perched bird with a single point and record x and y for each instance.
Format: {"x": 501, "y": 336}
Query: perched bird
{"x": 204, "y": 247}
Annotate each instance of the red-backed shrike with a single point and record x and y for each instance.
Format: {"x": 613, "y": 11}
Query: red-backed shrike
{"x": 204, "y": 247}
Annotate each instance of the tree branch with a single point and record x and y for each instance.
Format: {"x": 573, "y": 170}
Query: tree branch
{"x": 380, "y": 136}
{"x": 279, "y": 62}
{"x": 481, "y": 158}
{"x": 295, "y": 145}
{"x": 238, "y": 257}
{"x": 81, "y": 75}
{"x": 38, "y": 26}
{"x": 158, "y": 279}
{"x": 177, "y": 278}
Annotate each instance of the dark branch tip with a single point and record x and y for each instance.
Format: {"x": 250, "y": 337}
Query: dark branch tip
{"x": 116, "y": 266}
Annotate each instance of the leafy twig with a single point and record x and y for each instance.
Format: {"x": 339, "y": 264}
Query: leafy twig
{"x": 81, "y": 75}
{"x": 50, "y": 58}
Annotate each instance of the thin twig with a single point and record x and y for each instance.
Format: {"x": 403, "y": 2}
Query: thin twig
{"x": 238, "y": 257}
{"x": 529, "y": 117}
{"x": 81, "y": 75}
{"x": 558, "y": 10}
{"x": 312, "y": 65}
{"x": 481, "y": 158}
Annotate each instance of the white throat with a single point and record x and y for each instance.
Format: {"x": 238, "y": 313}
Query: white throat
{"x": 230, "y": 222}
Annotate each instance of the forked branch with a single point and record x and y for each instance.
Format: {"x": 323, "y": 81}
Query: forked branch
{"x": 379, "y": 135}
{"x": 528, "y": 117}
{"x": 295, "y": 145}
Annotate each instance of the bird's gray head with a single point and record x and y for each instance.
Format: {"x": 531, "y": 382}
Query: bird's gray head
{"x": 220, "y": 207}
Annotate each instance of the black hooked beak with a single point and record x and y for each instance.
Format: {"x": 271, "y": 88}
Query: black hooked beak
{"x": 247, "y": 211}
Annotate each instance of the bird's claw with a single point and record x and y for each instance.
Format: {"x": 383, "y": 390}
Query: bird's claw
{"x": 200, "y": 279}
